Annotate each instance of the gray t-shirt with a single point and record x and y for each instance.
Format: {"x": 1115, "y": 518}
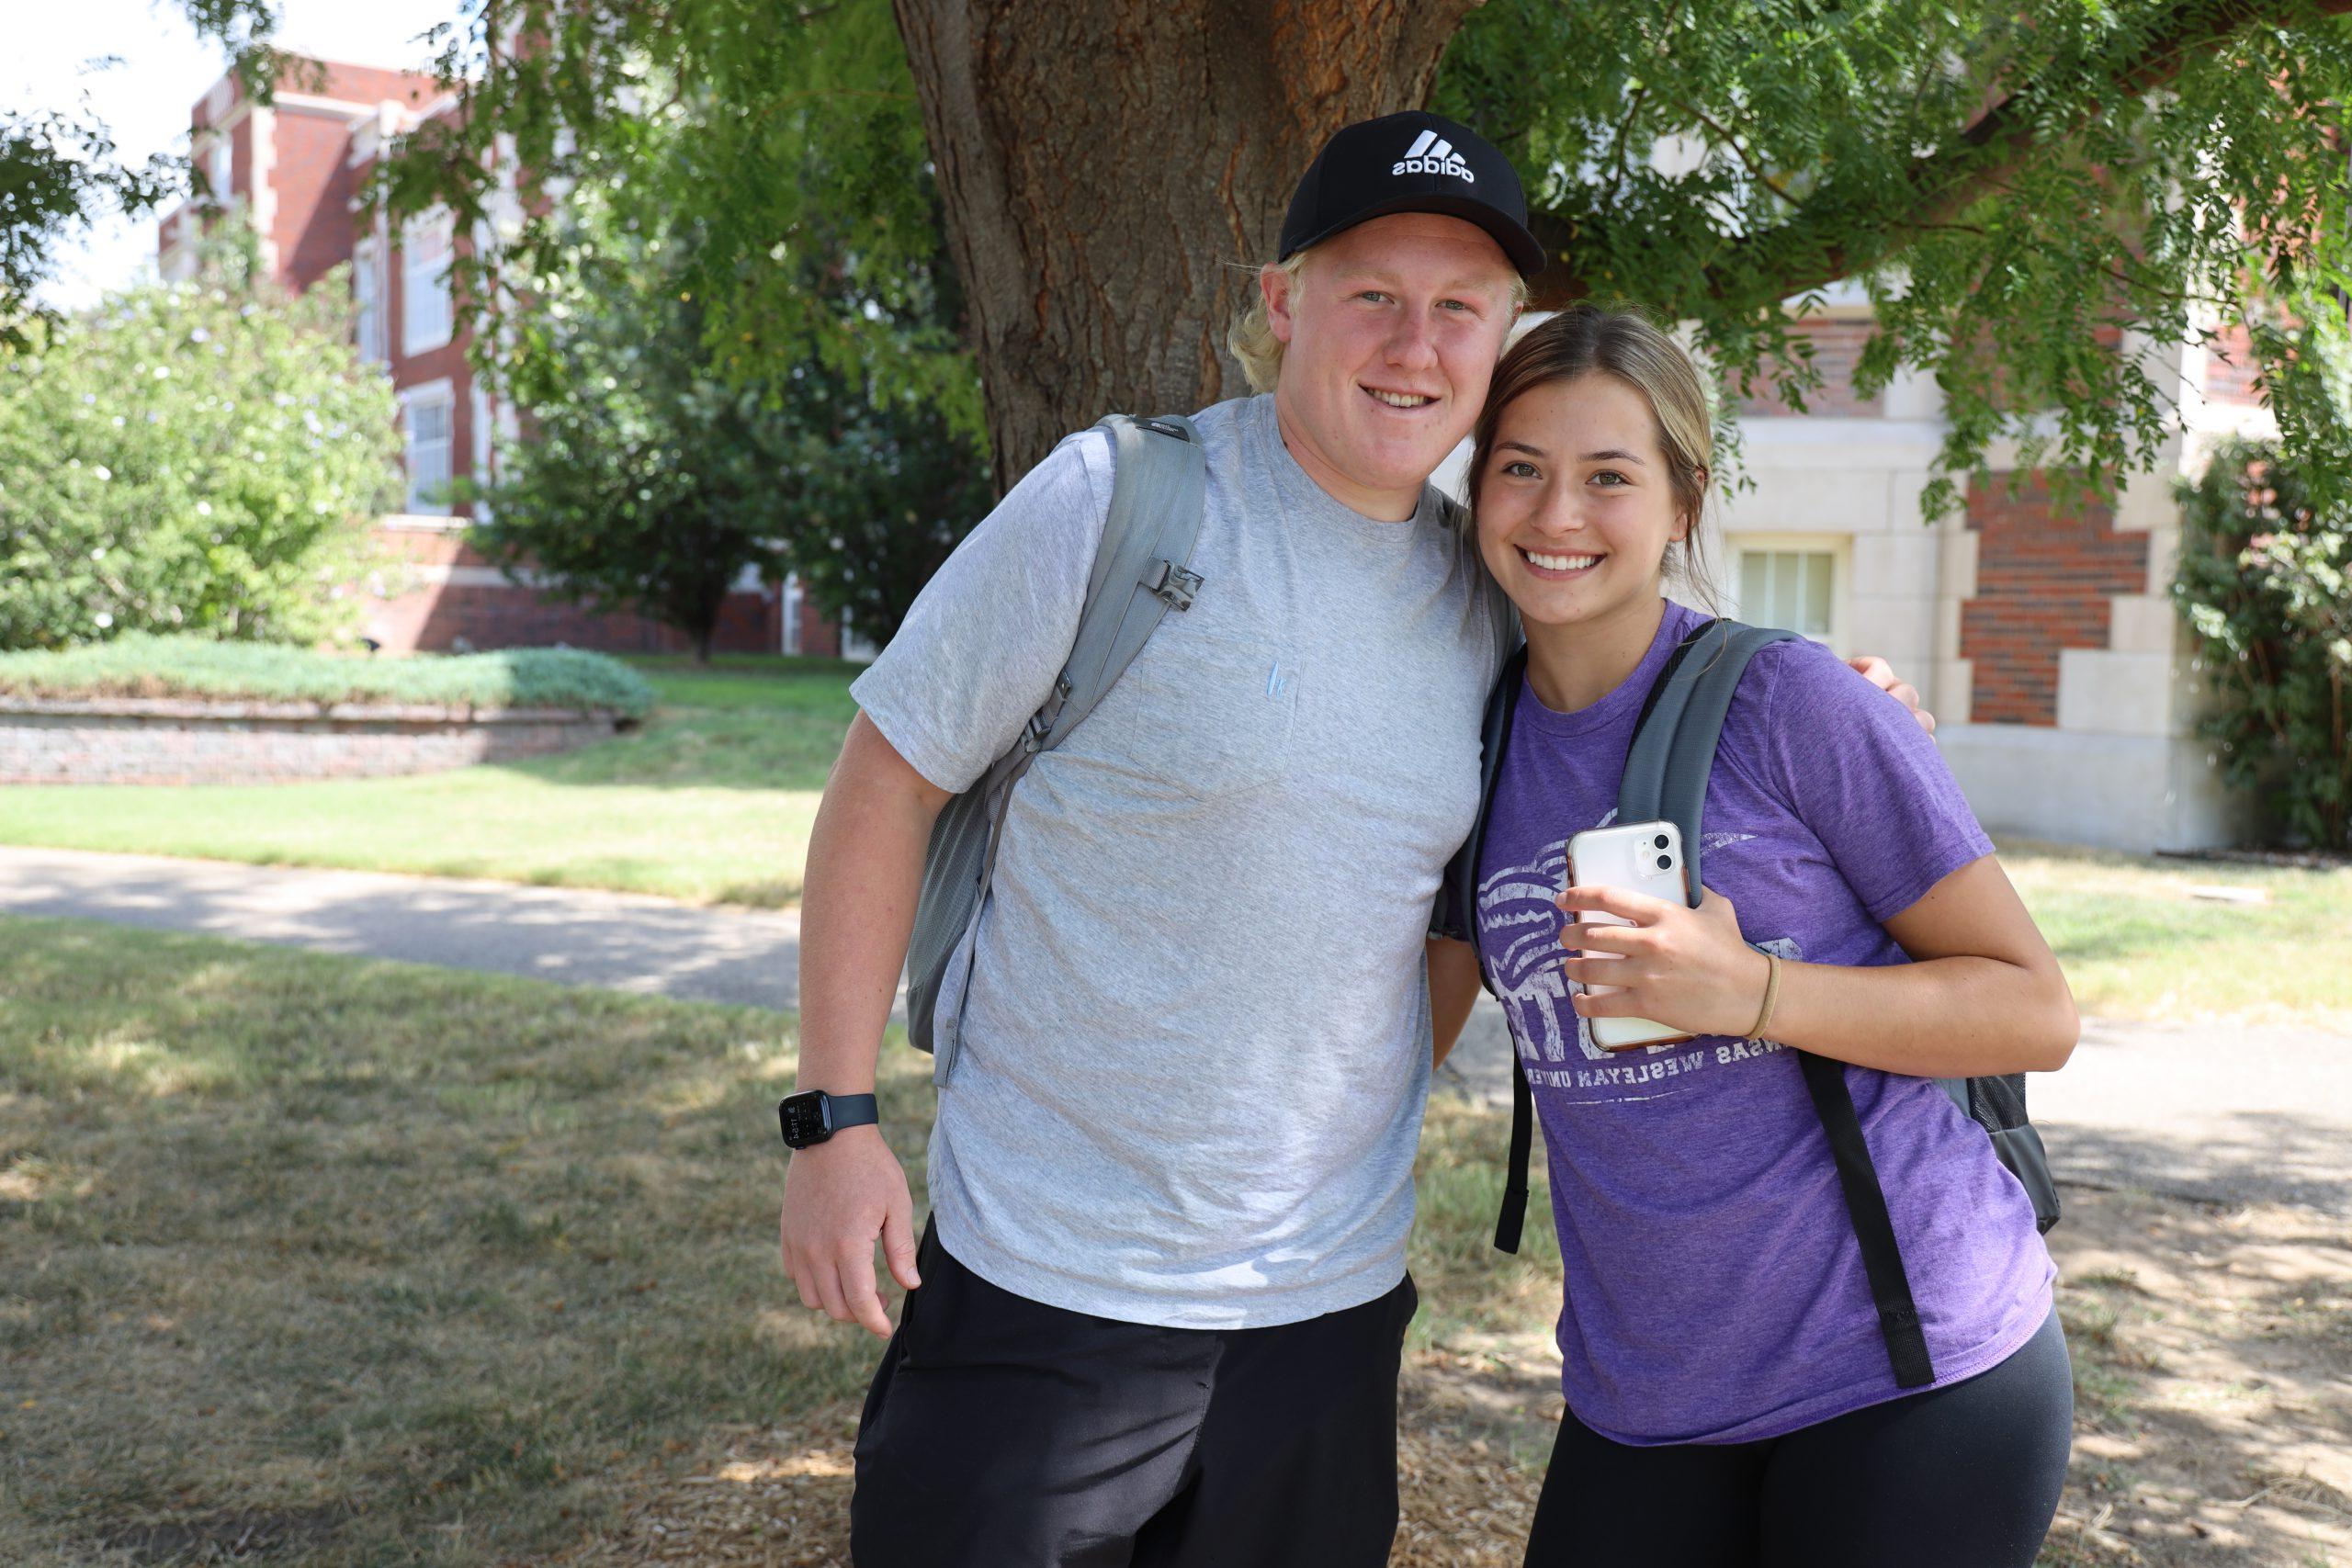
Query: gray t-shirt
{"x": 1195, "y": 1042}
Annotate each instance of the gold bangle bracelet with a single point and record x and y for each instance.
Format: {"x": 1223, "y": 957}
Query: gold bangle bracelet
{"x": 1771, "y": 995}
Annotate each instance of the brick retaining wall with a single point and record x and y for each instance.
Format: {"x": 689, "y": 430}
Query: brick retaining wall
{"x": 177, "y": 741}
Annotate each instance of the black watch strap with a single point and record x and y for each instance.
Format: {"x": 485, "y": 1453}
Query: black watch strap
{"x": 812, "y": 1116}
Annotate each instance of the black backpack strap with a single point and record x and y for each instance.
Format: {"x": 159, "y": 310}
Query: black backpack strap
{"x": 1456, "y": 911}
{"x": 1513, "y": 1216}
{"x": 1666, "y": 776}
{"x": 1898, "y": 1315}
{"x": 1458, "y": 918}
{"x": 1673, "y": 751}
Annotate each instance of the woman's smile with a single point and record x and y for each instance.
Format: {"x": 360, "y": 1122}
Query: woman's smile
{"x": 1550, "y": 566}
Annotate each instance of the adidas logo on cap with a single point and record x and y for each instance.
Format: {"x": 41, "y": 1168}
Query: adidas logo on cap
{"x": 1429, "y": 155}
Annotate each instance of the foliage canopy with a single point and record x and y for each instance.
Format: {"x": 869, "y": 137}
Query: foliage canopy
{"x": 2029, "y": 196}
{"x": 194, "y": 457}
{"x": 59, "y": 170}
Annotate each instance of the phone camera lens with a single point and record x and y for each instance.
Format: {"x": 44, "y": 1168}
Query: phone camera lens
{"x": 1658, "y": 843}
{"x": 1665, "y": 862}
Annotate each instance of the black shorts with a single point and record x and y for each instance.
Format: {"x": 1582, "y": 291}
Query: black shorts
{"x": 1001, "y": 1431}
{"x": 1962, "y": 1476}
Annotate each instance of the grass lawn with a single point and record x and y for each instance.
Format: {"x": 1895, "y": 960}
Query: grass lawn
{"x": 711, "y": 800}
{"x": 380, "y": 1263}
{"x": 2137, "y": 941}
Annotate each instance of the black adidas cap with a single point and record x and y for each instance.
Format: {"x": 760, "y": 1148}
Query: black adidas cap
{"x": 1414, "y": 162}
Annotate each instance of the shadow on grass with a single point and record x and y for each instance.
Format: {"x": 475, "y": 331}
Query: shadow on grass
{"x": 2211, "y": 1418}
{"x": 362, "y": 1262}
{"x": 2275, "y": 1156}
{"x": 385, "y": 1264}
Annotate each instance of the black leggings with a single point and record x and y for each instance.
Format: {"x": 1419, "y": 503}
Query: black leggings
{"x": 1964, "y": 1476}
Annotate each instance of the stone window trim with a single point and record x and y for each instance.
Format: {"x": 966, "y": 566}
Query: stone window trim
{"x": 1793, "y": 595}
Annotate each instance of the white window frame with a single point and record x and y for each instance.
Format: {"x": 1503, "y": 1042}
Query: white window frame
{"x": 1838, "y": 548}
{"x": 427, "y": 244}
{"x": 431, "y": 394}
{"x": 220, "y": 167}
{"x": 368, "y": 300}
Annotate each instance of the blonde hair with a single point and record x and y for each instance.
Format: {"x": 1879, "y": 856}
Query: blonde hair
{"x": 1251, "y": 336}
{"x": 1583, "y": 341}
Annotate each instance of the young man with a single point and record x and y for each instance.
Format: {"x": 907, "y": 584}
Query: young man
{"x": 1163, "y": 1293}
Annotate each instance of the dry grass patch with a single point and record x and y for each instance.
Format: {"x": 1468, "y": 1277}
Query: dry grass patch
{"x": 2213, "y": 1352}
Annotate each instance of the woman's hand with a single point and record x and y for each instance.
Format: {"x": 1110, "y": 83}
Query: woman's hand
{"x": 1689, "y": 968}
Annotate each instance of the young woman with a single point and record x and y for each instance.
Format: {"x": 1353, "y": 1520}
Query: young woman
{"x": 1731, "y": 1400}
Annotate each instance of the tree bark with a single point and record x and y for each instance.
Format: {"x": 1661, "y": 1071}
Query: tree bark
{"x": 1116, "y": 171}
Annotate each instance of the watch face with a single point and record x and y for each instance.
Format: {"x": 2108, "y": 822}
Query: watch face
{"x": 806, "y": 1118}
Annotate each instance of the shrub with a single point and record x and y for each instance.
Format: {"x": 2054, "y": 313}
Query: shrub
{"x": 141, "y": 665}
{"x": 192, "y": 457}
{"x": 2265, "y": 580}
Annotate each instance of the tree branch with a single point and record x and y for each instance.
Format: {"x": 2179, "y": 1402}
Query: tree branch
{"x": 1944, "y": 183}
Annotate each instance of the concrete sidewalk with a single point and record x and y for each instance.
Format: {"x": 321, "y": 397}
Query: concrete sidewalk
{"x": 2222, "y": 1111}
{"x": 621, "y": 942}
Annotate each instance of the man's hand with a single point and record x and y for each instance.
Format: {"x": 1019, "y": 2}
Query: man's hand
{"x": 1880, "y": 673}
{"x": 839, "y": 1197}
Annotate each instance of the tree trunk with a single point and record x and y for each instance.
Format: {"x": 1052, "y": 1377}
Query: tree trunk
{"x": 1116, "y": 171}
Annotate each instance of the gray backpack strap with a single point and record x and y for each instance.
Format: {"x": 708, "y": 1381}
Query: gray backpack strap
{"x": 1159, "y": 478}
{"x": 1674, "y": 741}
{"x": 1141, "y": 568}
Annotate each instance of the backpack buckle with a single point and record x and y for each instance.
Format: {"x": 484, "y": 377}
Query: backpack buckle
{"x": 1033, "y": 734}
{"x": 1166, "y": 579}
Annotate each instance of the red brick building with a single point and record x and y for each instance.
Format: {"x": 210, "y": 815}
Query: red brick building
{"x": 297, "y": 167}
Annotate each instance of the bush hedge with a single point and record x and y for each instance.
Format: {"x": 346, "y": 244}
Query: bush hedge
{"x": 145, "y": 665}
{"x": 198, "y": 457}
{"x": 2265, "y": 580}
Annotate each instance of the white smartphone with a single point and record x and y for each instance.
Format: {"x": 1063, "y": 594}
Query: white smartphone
{"x": 1638, "y": 857}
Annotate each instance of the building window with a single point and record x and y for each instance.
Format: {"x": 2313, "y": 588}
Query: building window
{"x": 1791, "y": 584}
{"x": 424, "y": 283}
{"x": 219, "y": 167}
{"x": 368, "y": 301}
{"x": 425, "y": 429}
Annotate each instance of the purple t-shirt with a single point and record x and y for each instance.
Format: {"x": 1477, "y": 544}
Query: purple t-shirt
{"x": 1713, "y": 1290}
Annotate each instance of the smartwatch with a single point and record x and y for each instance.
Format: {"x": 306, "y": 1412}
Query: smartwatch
{"x": 812, "y": 1116}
